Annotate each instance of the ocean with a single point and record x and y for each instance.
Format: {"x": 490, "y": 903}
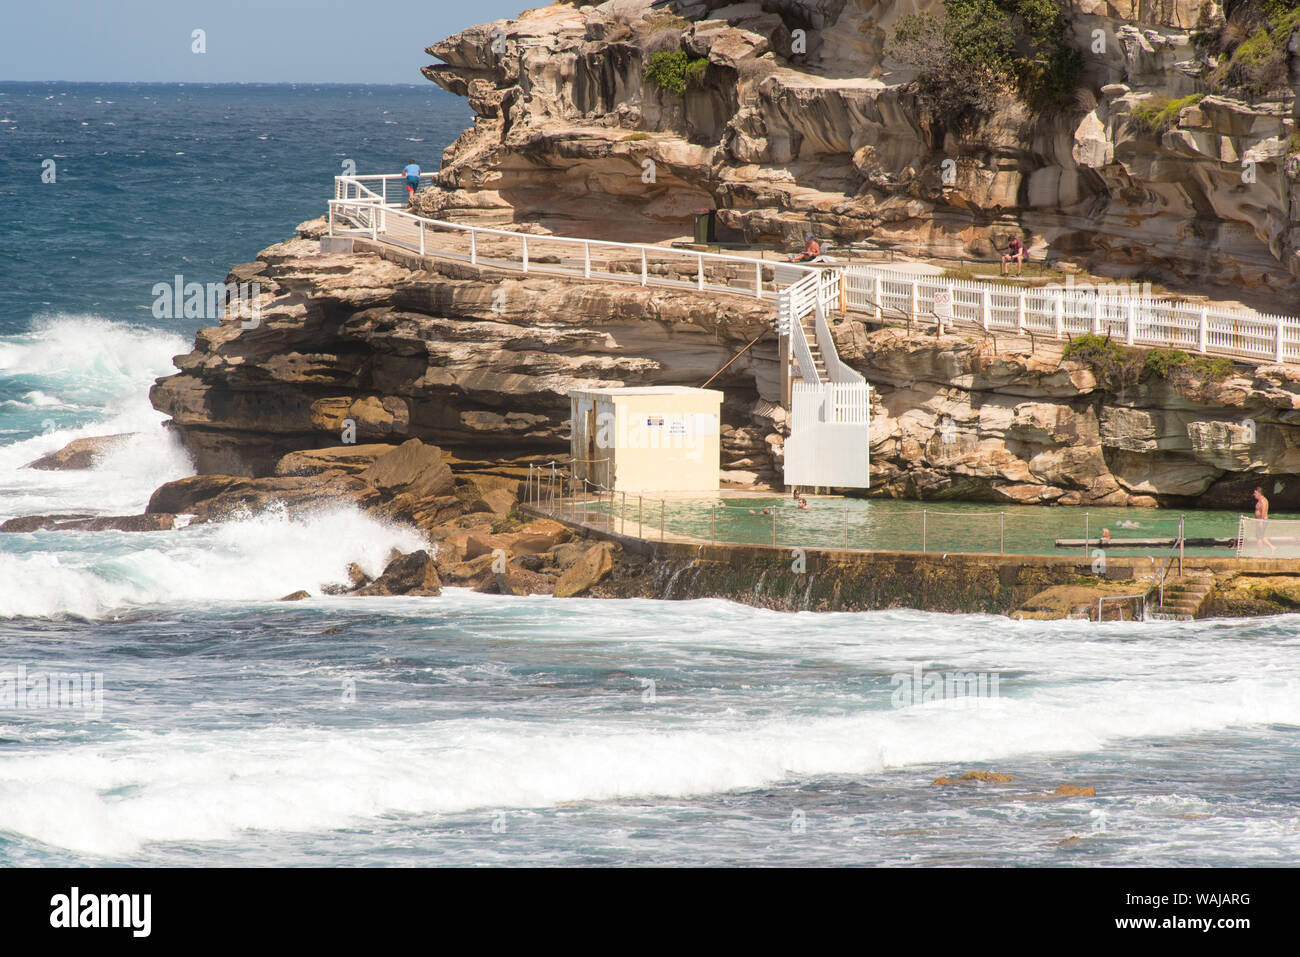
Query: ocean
{"x": 210, "y": 724}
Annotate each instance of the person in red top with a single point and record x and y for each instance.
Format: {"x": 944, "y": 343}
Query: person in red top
{"x": 1015, "y": 253}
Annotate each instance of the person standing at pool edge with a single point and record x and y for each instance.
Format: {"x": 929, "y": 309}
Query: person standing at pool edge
{"x": 412, "y": 172}
{"x": 1261, "y": 522}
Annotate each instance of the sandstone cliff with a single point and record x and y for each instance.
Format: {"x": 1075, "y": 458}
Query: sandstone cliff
{"x": 379, "y": 346}
{"x": 781, "y": 136}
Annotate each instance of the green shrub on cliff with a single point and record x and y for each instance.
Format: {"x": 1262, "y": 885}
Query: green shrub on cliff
{"x": 1254, "y": 45}
{"x": 1115, "y": 367}
{"x": 982, "y": 49}
{"x": 675, "y": 71}
{"x": 1160, "y": 113}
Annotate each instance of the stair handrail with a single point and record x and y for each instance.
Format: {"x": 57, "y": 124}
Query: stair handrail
{"x": 1158, "y": 581}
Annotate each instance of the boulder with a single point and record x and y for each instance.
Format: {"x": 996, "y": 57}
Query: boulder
{"x": 1070, "y": 790}
{"x": 413, "y": 574}
{"x": 595, "y": 564}
{"x": 149, "y": 522}
{"x": 298, "y": 595}
{"x": 412, "y": 467}
{"x": 79, "y": 453}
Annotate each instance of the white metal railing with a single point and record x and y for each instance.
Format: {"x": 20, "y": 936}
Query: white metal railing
{"x": 588, "y": 258}
{"x": 1115, "y": 309}
{"x": 387, "y": 189}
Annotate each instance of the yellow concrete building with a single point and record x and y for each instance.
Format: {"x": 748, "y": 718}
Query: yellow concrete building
{"x": 647, "y": 439}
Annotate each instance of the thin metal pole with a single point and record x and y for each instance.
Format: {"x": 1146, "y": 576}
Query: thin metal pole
{"x": 773, "y": 526}
{"x": 846, "y": 526}
{"x": 713, "y": 523}
{"x": 1002, "y": 533}
{"x": 923, "y": 531}
{"x": 1087, "y": 534}
{"x": 1181, "y": 539}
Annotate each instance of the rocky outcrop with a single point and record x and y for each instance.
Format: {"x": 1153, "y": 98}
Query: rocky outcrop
{"x": 478, "y": 361}
{"x": 964, "y": 418}
{"x": 79, "y": 453}
{"x": 782, "y": 137}
{"x": 486, "y": 379}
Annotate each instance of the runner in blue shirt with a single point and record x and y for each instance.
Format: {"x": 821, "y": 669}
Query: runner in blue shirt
{"x": 412, "y": 172}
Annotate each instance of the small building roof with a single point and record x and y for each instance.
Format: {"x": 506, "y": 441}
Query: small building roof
{"x": 648, "y": 390}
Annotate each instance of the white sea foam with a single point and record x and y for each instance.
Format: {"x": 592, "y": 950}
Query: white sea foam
{"x": 214, "y": 786}
{"x": 83, "y": 362}
{"x": 259, "y": 557}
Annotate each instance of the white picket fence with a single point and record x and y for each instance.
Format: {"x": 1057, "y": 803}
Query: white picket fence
{"x": 1118, "y": 310}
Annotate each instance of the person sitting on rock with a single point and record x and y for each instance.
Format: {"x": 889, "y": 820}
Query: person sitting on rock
{"x": 811, "y": 250}
{"x": 1015, "y": 253}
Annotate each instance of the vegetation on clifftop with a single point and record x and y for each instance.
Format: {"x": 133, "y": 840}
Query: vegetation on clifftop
{"x": 1251, "y": 47}
{"x": 1118, "y": 368}
{"x": 983, "y": 49}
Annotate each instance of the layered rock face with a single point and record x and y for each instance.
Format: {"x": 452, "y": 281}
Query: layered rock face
{"x": 377, "y": 347}
{"x": 802, "y": 121}
{"x": 360, "y": 348}
{"x": 1007, "y": 420}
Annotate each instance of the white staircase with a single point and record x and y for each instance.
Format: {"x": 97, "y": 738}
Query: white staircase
{"x": 830, "y": 418}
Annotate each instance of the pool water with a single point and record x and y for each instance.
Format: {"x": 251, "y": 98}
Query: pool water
{"x": 893, "y": 525}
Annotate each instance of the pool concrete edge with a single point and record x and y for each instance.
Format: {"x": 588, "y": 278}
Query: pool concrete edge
{"x": 825, "y": 579}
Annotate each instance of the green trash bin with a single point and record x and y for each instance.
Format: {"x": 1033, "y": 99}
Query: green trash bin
{"x": 706, "y": 226}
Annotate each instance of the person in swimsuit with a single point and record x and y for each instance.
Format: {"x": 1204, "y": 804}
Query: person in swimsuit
{"x": 1261, "y": 522}
{"x": 811, "y": 250}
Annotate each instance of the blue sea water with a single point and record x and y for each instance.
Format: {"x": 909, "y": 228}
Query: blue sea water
{"x": 475, "y": 729}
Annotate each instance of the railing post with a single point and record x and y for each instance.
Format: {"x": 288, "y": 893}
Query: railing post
{"x": 644, "y": 275}
{"x": 986, "y": 307}
{"x": 1279, "y": 326}
{"x": 473, "y": 247}
{"x": 879, "y": 296}
{"x": 1058, "y": 309}
{"x": 914, "y": 298}
{"x": 1020, "y": 313}
{"x": 924, "y": 531}
{"x": 1087, "y": 534}
{"x": 699, "y": 272}
{"x": 1130, "y": 321}
{"x": 1002, "y": 533}
{"x": 774, "y": 526}
{"x": 1096, "y": 314}
{"x": 420, "y": 226}
{"x": 758, "y": 279}
{"x": 1204, "y": 336}
{"x": 525, "y": 244}
{"x": 586, "y": 260}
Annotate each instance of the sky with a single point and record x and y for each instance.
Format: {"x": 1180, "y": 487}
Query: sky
{"x": 251, "y": 41}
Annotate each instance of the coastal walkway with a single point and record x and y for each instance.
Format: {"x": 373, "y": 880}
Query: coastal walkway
{"x": 375, "y": 206}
